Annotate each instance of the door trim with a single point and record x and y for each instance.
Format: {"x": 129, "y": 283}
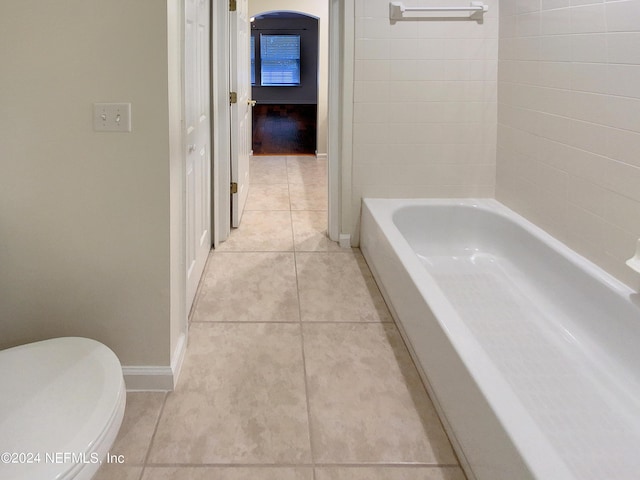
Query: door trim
{"x": 339, "y": 119}
{"x": 220, "y": 123}
{"x": 340, "y": 115}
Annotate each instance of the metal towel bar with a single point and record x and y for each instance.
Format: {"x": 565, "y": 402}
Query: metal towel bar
{"x": 397, "y": 10}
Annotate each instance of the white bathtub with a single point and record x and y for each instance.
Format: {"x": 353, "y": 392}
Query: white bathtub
{"x": 530, "y": 352}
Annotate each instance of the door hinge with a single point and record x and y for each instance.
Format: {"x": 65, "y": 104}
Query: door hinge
{"x": 232, "y": 5}
{"x": 234, "y": 187}
{"x": 233, "y": 97}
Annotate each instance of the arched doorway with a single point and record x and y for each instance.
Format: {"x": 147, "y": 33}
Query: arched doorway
{"x": 284, "y": 77}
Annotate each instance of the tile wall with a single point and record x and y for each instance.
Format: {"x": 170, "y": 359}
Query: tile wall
{"x": 424, "y": 104}
{"x": 568, "y": 154}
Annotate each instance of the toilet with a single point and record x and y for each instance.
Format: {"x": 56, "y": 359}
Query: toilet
{"x": 61, "y": 406}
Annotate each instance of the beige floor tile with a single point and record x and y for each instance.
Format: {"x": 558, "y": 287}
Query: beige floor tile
{"x": 261, "y": 232}
{"x": 268, "y": 197}
{"x": 366, "y": 399}
{"x": 240, "y": 398}
{"x": 248, "y": 286}
{"x": 338, "y": 287}
{"x": 308, "y": 170}
{"x": 140, "y": 418}
{"x": 118, "y": 472}
{"x": 389, "y": 473}
{"x": 310, "y": 232}
{"x": 268, "y": 170}
{"x": 308, "y": 196}
{"x": 228, "y": 473}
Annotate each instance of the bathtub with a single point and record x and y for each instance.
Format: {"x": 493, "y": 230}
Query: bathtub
{"x": 530, "y": 353}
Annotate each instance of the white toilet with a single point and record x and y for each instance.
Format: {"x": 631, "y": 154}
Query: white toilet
{"x": 61, "y": 406}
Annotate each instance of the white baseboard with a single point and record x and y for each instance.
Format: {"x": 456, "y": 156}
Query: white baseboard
{"x": 321, "y": 156}
{"x": 156, "y": 378}
{"x": 345, "y": 240}
{"x": 177, "y": 358}
{"x": 148, "y": 378}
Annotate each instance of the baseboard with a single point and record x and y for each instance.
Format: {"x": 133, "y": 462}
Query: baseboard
{"x": 321, "y": 156}
{"x": 178, "y": 358}
{"x": 156, "y": 378}
{"x": 148, "y": 378}
{"x": 345, "y": 240}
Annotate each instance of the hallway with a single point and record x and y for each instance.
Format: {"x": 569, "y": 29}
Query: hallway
{"x": 294, "y": 369}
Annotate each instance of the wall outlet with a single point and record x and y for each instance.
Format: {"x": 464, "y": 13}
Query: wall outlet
{"x": 112, "y": 117}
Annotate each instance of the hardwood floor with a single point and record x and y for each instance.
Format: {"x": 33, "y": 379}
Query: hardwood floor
{"x": 284, "y": 129}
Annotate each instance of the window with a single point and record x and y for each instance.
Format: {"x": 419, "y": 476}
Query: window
{"x": 280, "y": 60}
{"x": 253, "y": 60}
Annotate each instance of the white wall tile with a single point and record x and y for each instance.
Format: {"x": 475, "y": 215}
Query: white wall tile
{"x": 526, "y": 48}
{"x": 622, "y": 211}
{"x": 431, "y": 48}
{"x": 372, "y": 70}
{"x": 623, "y": 16}
{"x": 425, "y": 96}
{"x": 624, "y": 80}
{"x": 552, "y": 127}
{"x": 577, "y": 3}
{"x": 623, "y": 113}
{"x": 590, "y": 77}
{"x": 588, "y": 136}
{"x": 590, "y": 107}
{"x": 588, "y": 19}
{"x": 409, "y": 70}
{"x": 623, "y": 48}
{"x": 372, "y": 28}
{"x": 553, "y": 4}
{"x": 568, "y": 141}
{"x": 554, "y": 74}
{"x": 528, "y": 25}
{"x": 589, "y": 196}
{"x": 507, "y": 26}
{"x": 623, "y": 145}
{"x": 623, "y": 179}
{"x": 365, "y": 91}
{"x": 404, "y": 48}
{"x": 555, "y": 22}
{"x": 376, "y": 8}
{"x": 526, "y": 6}
{"x": 557, "y": 48}
{"x": 589, "y": 48}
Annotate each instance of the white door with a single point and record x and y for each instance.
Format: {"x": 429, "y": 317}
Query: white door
{"x": 240, "y": 82}
{"x": 198, "y": 141}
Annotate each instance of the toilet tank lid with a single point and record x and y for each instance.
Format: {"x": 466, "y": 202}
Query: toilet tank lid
{"x": 58, "y": 397}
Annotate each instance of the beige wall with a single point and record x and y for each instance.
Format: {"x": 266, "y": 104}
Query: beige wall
{"x": 424, "y": 105}
{"x": 569, "y": 127}
{"x": 84, "y": 216}
{"x": 320, "y": 9}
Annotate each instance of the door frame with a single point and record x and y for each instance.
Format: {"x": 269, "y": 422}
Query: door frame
{"x": 220, "y": 123}
{"x": 339, "y": 120}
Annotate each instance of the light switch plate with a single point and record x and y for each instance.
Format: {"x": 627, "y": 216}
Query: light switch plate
{"x": 112, "y": 117}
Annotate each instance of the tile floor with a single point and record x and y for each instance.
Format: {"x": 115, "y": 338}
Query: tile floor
{"x": 294, "y": 369}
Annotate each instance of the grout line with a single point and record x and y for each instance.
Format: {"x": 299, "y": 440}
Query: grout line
{"x": 155, "y": 430}
{"x": 312, "y": 447}
{"x": 306, "y": 465}
{"x": 341, "y": 251}
{"x": 304, "y": 362}
{"x": 308, "y": 322}
{"x": 196, "y": 299}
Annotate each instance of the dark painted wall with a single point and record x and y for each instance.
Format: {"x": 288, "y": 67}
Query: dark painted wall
{"x": 307, "y": 91}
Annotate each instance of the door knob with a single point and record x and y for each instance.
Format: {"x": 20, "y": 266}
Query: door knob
{"x": 251, "y": 102}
